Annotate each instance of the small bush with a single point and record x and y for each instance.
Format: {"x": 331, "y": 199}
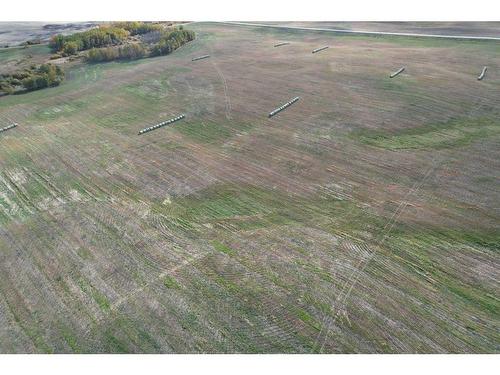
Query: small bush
{"x": 46, "y": 75}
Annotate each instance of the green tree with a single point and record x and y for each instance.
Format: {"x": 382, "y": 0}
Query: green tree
{"x": 70, "y": 48}
{"x": 56, "y": 42}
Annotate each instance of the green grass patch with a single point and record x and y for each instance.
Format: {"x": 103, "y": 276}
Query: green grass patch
{"x": 229, "y": 285}
{"x": 219, "y": 246}
{"x": 171, "y": 283}
{"x": 308, "y": 319}
{"x": 476, "y": 297}
{"x": 189, "y": 321}
{"x": 489, "y": 239}
{"x": 395, "y": 87}
{"x": 101, "y": 300}
{"x": 150, "y": 89}
{"x": 121, "y": 119}
{"x": 320, "y": 272}
{"x": 248, "y": 207}
{"x": 70, "y": 339}
{"x": 113, "y": 344}
{"x": 453, "y": 133}
{"x": 68, "y": 108}
{"x": 20, "y": 54}
{"x": 223, "y": 201}
{"x": 84, "y": 253}
{"x": 421, "y": 251}
{"x": 32, "y": 332}
{"x": 211, "y": 133}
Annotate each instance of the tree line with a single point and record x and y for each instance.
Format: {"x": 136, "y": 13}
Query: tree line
{"x": 138, "y": 28}
{"x": 100, "y": 37}
{"x": 130, "y": 51}
{"x": 172, "y": 40}
{"x": 169, "y": 41}
{"x": 103, "y": 36}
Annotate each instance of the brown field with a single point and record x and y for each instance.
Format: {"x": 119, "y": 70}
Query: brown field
{"x": 363, "y": 218}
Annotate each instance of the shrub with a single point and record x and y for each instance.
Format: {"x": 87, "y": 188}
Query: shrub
{"x": 70, "y": 48}
{"x": 46, "y": 75}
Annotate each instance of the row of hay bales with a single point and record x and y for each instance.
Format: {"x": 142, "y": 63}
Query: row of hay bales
{"x": 320, "y": 49}
{"x": 399, "y": 71}
{"x": 287, "y": 104}
{"x": 483, "y": 73}
{"x": 7, "y": 128}
{"x": 200, "y": 57}
{"x": 161, "y": 124}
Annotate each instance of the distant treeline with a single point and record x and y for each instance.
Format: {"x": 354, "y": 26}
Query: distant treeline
{"x": 130, "y": 51}
{"x": 94, "y": 38}
{"x": 33, "y": 78}
{"x": 169, "y": 41}
{"x": 138, "y": 28}
{"x": 119, "y": 41}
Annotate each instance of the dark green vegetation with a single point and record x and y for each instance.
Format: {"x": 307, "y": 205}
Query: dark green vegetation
{"x": 172, "y": 40}
{"x": 361, "y": 219}
{"x": 32, "y": 78}
{"x": 452, "y": 133}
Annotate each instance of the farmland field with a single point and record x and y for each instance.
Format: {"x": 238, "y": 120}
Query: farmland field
{"x": 364, "y": 218}
{"x": 477, "y": 29}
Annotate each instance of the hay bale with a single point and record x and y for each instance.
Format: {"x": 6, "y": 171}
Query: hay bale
{"x": 483, "y": 73}
{"x": 279, "y": 109}
{"x": 200, "y": 57}
{"x": 399, "y": 71}
{"x": 7, "y": 127}
{"x": 320, "y": 49}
